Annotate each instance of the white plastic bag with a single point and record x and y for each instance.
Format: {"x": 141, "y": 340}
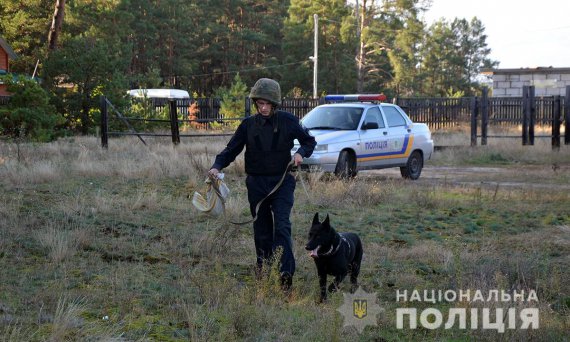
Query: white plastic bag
{"x": 216, "y": 193}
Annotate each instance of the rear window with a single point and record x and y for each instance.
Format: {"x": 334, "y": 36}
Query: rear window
{"x": 393, "y": 117}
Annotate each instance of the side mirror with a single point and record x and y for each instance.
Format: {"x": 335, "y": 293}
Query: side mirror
{"x": 370, "y": 125}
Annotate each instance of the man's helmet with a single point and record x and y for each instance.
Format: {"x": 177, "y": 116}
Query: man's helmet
{"x": 266, "y": 89}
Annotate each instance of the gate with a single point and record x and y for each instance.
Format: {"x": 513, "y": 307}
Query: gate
{"x": 527, "y": 111}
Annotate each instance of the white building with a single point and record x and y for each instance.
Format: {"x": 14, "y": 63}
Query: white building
{"x": 548, "y": 81}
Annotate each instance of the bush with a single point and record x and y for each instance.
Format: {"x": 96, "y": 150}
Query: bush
{"x": 232, "y": 103}
{"x": 28, "y": 115}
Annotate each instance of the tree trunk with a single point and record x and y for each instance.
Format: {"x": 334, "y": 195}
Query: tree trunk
{"x": 360, "y": 56}
{"x": 56, "y": 23}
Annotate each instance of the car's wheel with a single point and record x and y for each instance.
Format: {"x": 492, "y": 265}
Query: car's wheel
{"x": 413, "y": 167}
{"x": 346, "y": 165}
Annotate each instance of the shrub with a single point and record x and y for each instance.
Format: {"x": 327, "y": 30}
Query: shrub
{"x": 28, "y": 114}
{"x": 232, "y": 103}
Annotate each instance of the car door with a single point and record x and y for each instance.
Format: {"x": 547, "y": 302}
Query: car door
{"x": 374, "y": 145}
{"x": 400, "y": 140}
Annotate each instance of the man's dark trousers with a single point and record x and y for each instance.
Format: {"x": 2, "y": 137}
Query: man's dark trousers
{"x": 272, "y": 229}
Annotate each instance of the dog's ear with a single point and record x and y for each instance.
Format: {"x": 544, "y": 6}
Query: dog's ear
{"x": 327, "y": 222}
{"x": 316, "y": 218}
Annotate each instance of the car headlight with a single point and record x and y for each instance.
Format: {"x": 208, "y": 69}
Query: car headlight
{"x": 321, "y": 148}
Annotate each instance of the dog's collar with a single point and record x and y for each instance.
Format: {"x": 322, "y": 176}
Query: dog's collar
{"x": 332, "y": 250}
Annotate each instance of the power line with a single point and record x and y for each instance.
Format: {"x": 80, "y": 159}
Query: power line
{"x": 247, "y": 70}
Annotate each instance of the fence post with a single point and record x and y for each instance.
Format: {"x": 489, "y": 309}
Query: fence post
{"x": 104, "y": 122}
{"x": 474, "y": 114}
{"x": 526, "y": 114}
{"x": 556, "y": 123}
{"x": 567, "y": 117}
{"x": 484, "y": 115}
{"x": 174, "y": 122}
{"x": 247, "y": 106}
{"x": 532, "y": 121}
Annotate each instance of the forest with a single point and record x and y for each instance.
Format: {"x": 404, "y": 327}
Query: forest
{"x": 80, "y": 49}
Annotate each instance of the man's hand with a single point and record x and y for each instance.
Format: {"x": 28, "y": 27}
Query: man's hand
{"x": 213, "y": 172}
{"x": 297, "y": 159}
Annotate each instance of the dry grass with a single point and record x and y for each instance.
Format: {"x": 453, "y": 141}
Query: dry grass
{"x": 129, "y": 159}
{"x": 498, "y": 150}
{"x": 14, "y": 333}
{"x": 116, "y": 228}
{"x": 66, "y": 319}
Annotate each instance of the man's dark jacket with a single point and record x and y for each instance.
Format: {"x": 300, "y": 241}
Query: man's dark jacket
{"x": 268, "y": 142}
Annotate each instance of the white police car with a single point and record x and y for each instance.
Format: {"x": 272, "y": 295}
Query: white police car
{"x": 355, "y": 135}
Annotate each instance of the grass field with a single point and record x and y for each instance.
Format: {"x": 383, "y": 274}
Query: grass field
{"x": 104, "y": 245}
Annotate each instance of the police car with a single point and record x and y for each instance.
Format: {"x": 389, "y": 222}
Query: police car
{"x": 353, "y": 134}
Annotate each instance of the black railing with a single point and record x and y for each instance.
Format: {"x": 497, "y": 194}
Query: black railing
{"x": 208, "y": 108}
{"x": 438, "y": 113}
{"x": 4, "y": 100}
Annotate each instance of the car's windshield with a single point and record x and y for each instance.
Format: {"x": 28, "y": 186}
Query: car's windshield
{"x": 343, "y": 118}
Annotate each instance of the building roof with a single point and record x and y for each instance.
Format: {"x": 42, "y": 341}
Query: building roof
{"x": 7, "y": 48}
{"x": 520, "y": 71}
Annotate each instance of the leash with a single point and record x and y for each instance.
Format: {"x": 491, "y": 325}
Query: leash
{"x": 304, "y": 186}
{"x": 217, "y": 190}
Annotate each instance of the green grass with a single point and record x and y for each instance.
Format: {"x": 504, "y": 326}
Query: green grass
{"x": 115, "y": 251}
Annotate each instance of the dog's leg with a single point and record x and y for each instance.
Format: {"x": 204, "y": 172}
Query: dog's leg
{"x": 355, "y": 269}
{"x": 355, "y": 266}
{"x": 321, "y": 271}
{"x": 323, "y": 286}
{"x": 335, "y": 285}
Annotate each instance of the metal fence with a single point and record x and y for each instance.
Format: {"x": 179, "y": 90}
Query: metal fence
{"x": 438, "y": 113}
{"x": 209, "y": 107}
{"x": 4, "y": 100}
{"x": 509, "y": 110}
{"x": 300, "y": 107}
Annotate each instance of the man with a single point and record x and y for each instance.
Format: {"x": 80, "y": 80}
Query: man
{"x": 268, "y": 139}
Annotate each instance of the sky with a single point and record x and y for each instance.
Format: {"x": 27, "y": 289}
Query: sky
{"x": 520, "y": 33}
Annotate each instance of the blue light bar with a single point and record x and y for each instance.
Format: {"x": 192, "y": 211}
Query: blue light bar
{"x": 334, "y": 98}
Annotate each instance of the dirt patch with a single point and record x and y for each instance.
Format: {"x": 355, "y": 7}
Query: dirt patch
{"x": 532, "y": 176}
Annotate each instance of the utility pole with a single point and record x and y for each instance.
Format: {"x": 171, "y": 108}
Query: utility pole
{"x": 315, "y": 56}
{"x": 360, "y": 46}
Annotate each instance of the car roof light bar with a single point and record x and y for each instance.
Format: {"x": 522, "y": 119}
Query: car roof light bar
{"x": 356, "y": 97}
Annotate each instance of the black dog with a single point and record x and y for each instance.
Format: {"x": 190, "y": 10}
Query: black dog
{"x": 335, "y": 254}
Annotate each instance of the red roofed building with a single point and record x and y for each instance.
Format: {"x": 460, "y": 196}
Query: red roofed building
{"x": 6, "y": 53}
